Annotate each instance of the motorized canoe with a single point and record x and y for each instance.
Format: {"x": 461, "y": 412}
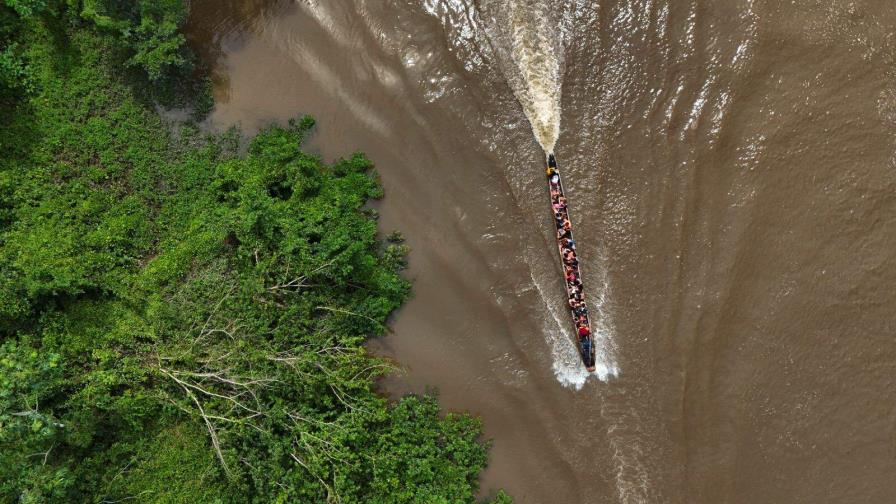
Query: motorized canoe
{"x": 572, "y": 275}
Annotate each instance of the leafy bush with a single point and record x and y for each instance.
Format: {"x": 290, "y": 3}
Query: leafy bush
{"x": 149, "y": 29}
{"x": 27, "y": 8}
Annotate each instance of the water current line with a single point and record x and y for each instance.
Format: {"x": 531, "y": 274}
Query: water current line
{"x": 627, "y": 450}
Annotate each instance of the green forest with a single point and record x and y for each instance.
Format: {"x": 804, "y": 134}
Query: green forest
{"x": 182, "y": 314}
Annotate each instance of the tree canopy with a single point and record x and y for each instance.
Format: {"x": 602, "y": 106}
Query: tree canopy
{"x": 182, "y": 321}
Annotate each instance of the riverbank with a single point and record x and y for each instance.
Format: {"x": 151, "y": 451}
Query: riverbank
{"x": 182, "y": 322}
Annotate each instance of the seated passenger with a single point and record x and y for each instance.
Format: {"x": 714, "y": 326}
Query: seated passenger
{"x": 584, "y": 332}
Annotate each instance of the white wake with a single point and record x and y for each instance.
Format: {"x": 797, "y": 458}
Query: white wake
{"x": 529, "y": 49}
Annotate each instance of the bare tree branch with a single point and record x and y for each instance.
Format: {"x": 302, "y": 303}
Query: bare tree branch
{"x": 208, "y": 423}
{"x": 332, "y": 496}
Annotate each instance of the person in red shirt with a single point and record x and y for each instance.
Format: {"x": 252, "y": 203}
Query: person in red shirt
{"x": 584, "y": 332}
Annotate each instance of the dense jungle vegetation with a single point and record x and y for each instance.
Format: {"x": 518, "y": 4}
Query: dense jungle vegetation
{"x": 182, "y": 320}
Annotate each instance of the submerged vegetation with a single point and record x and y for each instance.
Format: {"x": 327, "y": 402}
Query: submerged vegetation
{"x": 181, "y": 321}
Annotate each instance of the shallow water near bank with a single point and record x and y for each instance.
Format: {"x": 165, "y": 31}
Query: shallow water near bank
{"x": 730, "y": 172}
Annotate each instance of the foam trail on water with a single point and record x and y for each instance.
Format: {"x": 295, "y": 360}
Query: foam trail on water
{"x": 567, "y": 366}
{"x": 529, "y": 50}
{"x": 567, "y": 363}
{"x": 605, "y": 355}
{"x": 538, "y": 60}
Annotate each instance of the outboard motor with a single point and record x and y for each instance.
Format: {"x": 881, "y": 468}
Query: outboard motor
{"x": 551, "y": 161}
{"x": 588, "y": 352}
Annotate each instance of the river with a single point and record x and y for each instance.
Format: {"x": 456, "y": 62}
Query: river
{"x": 731, "y": 168}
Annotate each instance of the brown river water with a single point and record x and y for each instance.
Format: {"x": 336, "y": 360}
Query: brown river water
{"x": 731, "y": 168}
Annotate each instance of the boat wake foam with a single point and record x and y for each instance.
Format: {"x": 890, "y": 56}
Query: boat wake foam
{"x": 530, "y": 53}
{"x": 567, "y": 362}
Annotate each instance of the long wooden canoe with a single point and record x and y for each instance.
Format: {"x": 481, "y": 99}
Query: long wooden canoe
{"x": 569, "y": 261}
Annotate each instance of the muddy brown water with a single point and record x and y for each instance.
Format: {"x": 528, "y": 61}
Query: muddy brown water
{"x": 731, "y": 172}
